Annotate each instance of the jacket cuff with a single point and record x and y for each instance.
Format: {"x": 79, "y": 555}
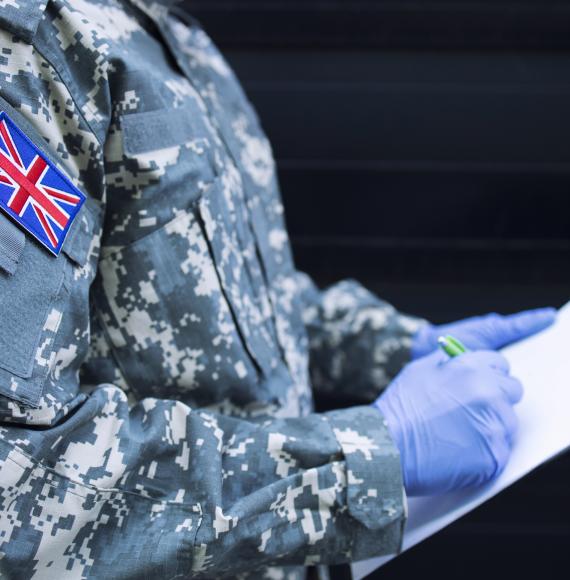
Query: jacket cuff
{"x": 396, "y": 351}
{"x": 376, "y": 499}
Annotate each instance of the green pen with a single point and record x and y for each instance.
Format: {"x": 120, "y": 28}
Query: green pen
{"x": 451, "y": 346}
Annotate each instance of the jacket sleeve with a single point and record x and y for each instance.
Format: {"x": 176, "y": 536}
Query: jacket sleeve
{"x": 90, "y": 486}
{"x": 357, "y": 342}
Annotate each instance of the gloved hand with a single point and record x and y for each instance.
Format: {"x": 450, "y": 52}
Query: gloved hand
{"x": 452, "y": 420}
{"x": 489, "y": 332}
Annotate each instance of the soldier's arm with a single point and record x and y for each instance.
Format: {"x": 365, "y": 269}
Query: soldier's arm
{"x": 91, "y": 487}
{"x": 358, "y": 342}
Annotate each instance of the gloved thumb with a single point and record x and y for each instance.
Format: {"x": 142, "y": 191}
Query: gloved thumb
{"x": 504, "y": 330}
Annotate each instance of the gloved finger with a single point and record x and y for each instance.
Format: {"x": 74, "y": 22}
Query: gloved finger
{"x": 510, "y": 423}
{"x": 504, "y": 330}
{"x": 512, "y": 389}
{"x": 500, "y": 445}
{"x": 502, "y": 455}
{"x": 487, "y": 358}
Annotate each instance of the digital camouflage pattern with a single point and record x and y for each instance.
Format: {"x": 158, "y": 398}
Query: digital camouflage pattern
{"x": 157, "y": 378}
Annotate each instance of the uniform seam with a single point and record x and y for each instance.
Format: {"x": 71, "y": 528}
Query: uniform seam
{"x": 93, "y": 489}
{"x": 30, "y": 401}
{"x": 226, "y": 295}
{"x": 113, "y": 349}
{"x": 8, "y": 256}
{"x": 198, "y": 528}
{"x": 106, "y": 254}
{"x": 49, "y": 56}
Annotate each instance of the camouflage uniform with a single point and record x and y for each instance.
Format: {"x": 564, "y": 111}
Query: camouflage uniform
{"x": 157, "y": 378}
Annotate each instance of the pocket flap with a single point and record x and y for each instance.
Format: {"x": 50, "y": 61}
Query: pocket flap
{"x": 153, "y": 130}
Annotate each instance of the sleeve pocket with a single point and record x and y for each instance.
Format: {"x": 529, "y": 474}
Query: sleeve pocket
{"x": 33, "y": 298}
{"x": 25, "y": 300}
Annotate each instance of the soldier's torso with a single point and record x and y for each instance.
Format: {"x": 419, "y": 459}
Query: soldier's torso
{"x": 195, "y": 298}
{"x": 181, "y": 252}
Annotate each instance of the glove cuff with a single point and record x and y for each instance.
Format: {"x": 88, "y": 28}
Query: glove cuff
{"x": 423, "y": 341}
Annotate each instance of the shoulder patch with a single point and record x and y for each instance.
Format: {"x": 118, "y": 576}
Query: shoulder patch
{"x": 33, "y": 192}
{"x": 22, "y": 17}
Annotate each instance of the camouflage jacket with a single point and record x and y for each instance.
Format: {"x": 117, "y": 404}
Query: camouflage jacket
{"x": 157, "y": 377}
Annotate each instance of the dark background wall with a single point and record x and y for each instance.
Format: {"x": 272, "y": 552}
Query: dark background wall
{"x": 424, "y": 148}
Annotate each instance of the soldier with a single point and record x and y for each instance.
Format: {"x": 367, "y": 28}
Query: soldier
{"x": 159, "y": 353}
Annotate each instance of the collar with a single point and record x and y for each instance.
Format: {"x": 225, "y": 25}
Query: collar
{"x": 23, "y": 20}
{"x": 155, "y": 9}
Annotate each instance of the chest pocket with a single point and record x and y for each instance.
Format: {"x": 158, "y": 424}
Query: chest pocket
{"x": 167, "y": 315}
{"x": 32, "y": 301}
{"x": 158, "y": 163}
{"x": 175, "y": 297}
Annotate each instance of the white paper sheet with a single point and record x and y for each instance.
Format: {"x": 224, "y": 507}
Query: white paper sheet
{"x": 542, "y": 363}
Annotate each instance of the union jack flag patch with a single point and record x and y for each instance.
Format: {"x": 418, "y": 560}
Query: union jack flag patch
{"x": 33, "y": 191}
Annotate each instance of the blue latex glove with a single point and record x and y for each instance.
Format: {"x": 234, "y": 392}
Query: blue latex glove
{"x": 489, "y": 332}
{"x": 452, "y": 420}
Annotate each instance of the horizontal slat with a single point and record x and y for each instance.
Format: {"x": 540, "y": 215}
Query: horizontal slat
{"x": 365, "y": 204}
{"x": 395, "y": 123}
{"x": 450, "y": 264}
{"x": 535, "y": 70}
{"x": 414, "y": 107}
{"x": 386, "y": 24}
